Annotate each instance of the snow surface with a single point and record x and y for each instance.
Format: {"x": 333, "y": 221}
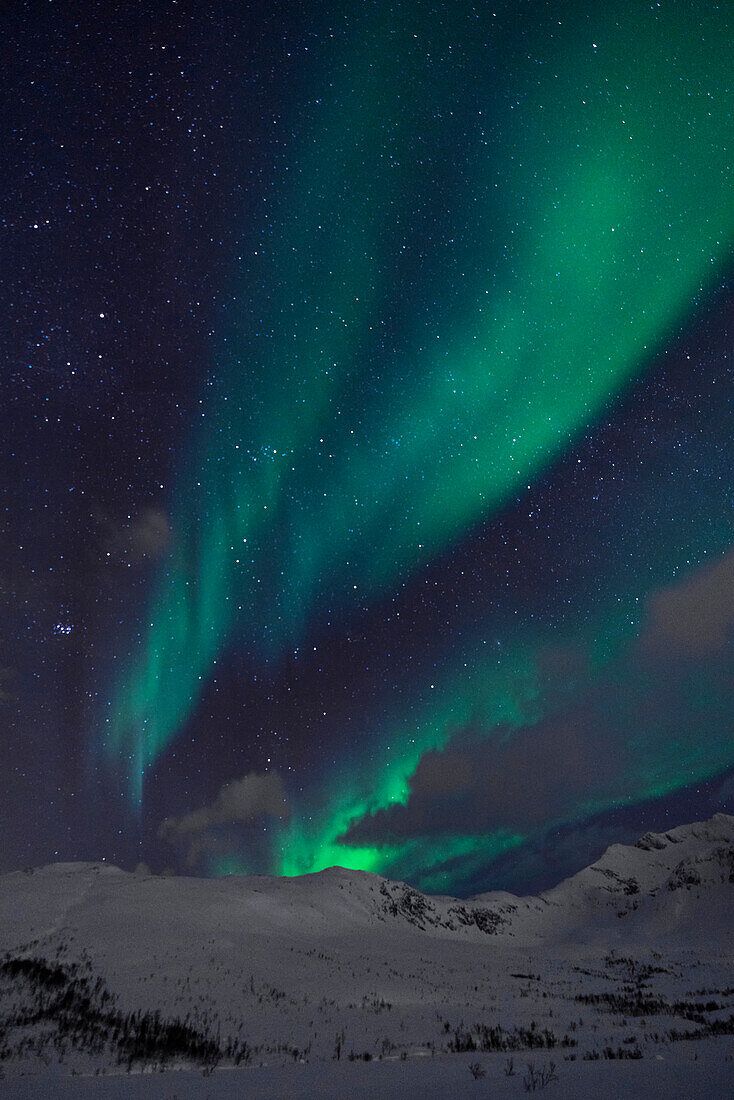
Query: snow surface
{"x": 631, "y": 956}
{"x": 704, "y": 1073}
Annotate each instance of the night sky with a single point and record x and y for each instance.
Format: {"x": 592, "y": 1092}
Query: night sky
{"x": 368, "y": 436}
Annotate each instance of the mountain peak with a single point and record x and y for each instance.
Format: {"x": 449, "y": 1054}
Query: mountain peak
{"x": 720, "y": 826}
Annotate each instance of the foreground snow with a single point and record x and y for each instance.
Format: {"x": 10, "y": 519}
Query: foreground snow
{"x": 703, "y": 1073}
{"x": 345, "y": 984}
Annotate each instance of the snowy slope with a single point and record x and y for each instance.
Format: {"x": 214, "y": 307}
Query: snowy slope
{"x": 344, "y": 963}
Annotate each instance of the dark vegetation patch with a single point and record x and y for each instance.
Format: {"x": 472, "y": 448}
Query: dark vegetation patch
{"x": 485, "y": 1038}
{"x": 64, "y": 1008}
{"x": 633, "y": 1002}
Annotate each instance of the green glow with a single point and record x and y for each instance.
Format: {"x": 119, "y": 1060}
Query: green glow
{"x": 224, "y": 866}
{"x": 585, "y": 228}
{"x": 668, "y": 752}
{"x": 430, "y": 861}
{"x": 310, "y": 842}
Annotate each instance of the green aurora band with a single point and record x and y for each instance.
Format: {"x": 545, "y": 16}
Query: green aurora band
{"x": 496, "y": 697}
{"x": 310, "y": 842}
{"x": 465, "y": 266}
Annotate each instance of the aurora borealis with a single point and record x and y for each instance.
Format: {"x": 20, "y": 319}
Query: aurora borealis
{"x": 428, "y": 423}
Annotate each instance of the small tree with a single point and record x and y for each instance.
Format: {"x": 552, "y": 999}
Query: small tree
{"x": 539, "y": 1077}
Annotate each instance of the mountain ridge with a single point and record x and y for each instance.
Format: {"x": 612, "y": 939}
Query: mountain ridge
{"x": 635, "y": 881}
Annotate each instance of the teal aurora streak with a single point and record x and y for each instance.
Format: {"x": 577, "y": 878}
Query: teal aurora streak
{"x": 478, "y": 239}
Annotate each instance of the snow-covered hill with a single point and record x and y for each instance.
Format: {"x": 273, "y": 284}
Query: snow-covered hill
{"x": 650, "y": 879}
{"x": 668, "y": 886}
{"x": 105, "y": 968}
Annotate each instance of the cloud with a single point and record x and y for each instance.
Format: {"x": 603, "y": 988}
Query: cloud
{"x": 656, "y": 718}
{"x": 695, "y": 617}
{"x": 150, "y": 533}
{"x": 512, "y": 779}
{"x": 209, "y": 830}
{"x": 145, "y": 536}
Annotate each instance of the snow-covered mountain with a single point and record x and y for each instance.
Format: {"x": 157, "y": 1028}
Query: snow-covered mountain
{"x": 673, "y": 886}
{"x": 657, "y": 881}
{"x": 111, "y": 968}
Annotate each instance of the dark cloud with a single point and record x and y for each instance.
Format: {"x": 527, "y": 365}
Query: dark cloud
{"x": 136, "y": 538}
{"x": 209, "y": 830}
{"x": 694, "y": 618}
{"x": 508, "y": 779}
{"x": 655, "y": 718}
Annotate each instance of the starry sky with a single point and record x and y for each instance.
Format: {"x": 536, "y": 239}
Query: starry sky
{"x": 368, "y": 490}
